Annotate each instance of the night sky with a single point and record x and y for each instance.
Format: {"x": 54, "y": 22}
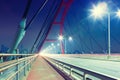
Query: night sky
{"x": 89, "y": 35}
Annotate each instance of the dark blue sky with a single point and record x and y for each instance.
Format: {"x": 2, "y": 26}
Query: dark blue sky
{"x": 89, "y": 35}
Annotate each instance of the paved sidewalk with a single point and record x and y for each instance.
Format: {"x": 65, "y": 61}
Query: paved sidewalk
{"x": 41, "y": 70}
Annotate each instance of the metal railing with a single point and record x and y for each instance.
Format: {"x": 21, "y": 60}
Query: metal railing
{"x": 15, "y": 69}
{"x": 78, "y": 73}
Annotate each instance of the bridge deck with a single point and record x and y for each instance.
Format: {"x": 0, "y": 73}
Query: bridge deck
{"x": 41, "y": 70}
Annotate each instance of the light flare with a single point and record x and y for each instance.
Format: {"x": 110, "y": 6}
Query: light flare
{"x": 118, "y": 13}
{"x": 98, "y": 11}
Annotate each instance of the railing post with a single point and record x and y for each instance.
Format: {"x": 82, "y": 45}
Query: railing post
{"x": 1, "y": 61}
{"x": 25, "y": 66}
{"x": 70, "y": 71}
{"x": 62, "y": 67}
{"x": 57, "y": 65}
{"x": 84, "y": 76}
{"x": 28, "y": 65}
{"x": 31, "y": 61}
{"x": 17, "y": 69}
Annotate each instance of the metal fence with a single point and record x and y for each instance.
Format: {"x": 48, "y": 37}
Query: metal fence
{"x": 15, "y": 69}
{"x": 78, "y": 73}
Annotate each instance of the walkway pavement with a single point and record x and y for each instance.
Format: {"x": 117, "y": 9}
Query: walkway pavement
{"x": 41, "y": 70}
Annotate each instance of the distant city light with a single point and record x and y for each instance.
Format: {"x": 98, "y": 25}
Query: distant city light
{"x": 98, "y": 11}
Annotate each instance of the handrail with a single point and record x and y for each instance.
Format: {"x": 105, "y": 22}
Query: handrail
{"x": 1, "y": 55}
{"x": 72, "y": 69}
{"x": 27, "y": 60}
{"x": 2, "y": 69}
{"x": 18, "y": 70}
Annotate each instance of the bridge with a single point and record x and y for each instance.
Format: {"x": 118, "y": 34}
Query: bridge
{"x": 60, "y": 40}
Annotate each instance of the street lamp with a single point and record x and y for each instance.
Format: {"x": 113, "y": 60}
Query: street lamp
{"x": 118, "y": 13}
{"x": 60, "y": 37}
{"x": 70, "y": 38}
{"x": 99, "y": 11}
{"x": 52, "y": 44}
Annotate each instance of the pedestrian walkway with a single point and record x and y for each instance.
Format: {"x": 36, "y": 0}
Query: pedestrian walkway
{"x": 41, "y": 70}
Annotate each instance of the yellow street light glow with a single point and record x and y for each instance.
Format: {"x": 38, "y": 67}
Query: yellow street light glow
{"x": 98, "y": 11}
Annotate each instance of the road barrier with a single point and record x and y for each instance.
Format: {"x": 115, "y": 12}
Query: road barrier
{"x": 78, "y": 73}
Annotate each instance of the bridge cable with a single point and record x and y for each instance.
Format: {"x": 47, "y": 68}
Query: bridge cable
{"x": 43, "y": 29}
{"x": 50, "y": 25}
{"x": 35, "y": 15}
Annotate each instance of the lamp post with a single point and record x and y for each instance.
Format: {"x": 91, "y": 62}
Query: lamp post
{"x": 99, "y": 11}
{"x": 109, "y": 39}
{"x": 61, "y": 38}
{"x": 65, "y": 45}
{"x": 69, "y": 39}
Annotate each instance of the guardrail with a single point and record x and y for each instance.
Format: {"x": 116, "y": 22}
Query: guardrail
{"x": 15, "y": 69}
{"x": 78, "y": 73}
{"x": 99, "y": 56}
